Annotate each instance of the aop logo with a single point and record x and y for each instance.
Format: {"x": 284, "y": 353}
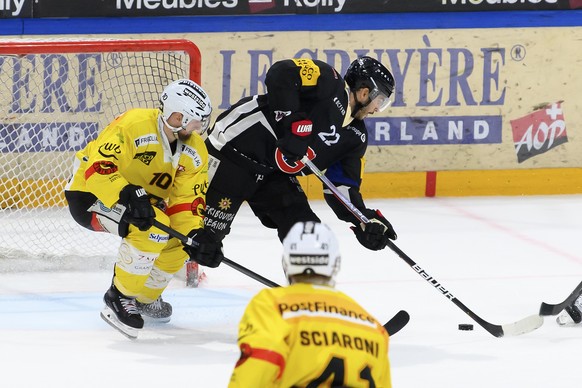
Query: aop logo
{"x": 539, "y": 131}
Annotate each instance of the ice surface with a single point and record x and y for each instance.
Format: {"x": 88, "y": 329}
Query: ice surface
{"x": 500, "y": 256}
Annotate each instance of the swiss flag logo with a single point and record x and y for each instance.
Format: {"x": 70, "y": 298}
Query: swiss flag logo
{"x": 539, "y": 131}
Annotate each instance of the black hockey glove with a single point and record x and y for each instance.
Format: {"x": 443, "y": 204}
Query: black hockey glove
{"x": 294, "y": 145}
{"x": 138, "y": 209}
{"x": 375, "y": 234}
{"x": 205, "y": 250}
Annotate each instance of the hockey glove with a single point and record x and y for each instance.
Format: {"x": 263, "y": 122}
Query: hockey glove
{"x": 138, "y": 209}
{"x": 294, "y": 145}
{"x": 205, "y": 250}
{"x": 375, "y": 234}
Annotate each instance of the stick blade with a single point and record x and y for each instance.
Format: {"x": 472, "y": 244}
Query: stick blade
{"x": 554, "y": 309}
{"x": 549, "y": 309}
{"x": 397, "y": 322}
{"x": 523, "y": 326}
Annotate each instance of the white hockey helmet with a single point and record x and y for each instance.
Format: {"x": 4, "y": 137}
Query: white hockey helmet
{"x": 186, "y": 97}
{"x": 310, "y": 248}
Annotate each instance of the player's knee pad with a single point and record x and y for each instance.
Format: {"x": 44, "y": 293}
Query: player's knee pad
{"x": 158, "y": 279}
{"x": 133, "y": 260}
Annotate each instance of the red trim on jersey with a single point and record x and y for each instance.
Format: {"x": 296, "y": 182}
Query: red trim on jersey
{"x": 261, "y": 354}
{"x": 88, "y": 172}
{"x": 102, "y": 168}
{"x": 182, "y": 207}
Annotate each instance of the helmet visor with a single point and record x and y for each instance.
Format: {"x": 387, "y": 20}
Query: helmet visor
{"x": 194, "y": 125}
{"x": 205, "y": 123}
{"x": 380, "y": 102}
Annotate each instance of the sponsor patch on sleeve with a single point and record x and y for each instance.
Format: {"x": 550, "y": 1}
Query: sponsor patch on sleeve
{"x": 309, "y": 71}
{"x": 191, "y": 152}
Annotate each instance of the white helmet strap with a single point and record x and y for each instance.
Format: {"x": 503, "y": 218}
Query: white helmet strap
{"x": 174, "y": 129}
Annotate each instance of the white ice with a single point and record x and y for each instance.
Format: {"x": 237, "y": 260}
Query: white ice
{"x": 500, "y": 256}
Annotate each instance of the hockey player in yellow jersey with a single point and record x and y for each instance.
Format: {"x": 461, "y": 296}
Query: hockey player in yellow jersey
{"x": 309, "y": 334}
{"x": 147, "y": 164}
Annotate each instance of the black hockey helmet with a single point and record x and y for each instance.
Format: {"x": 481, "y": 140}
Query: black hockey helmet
{"x": 366, "y": 72}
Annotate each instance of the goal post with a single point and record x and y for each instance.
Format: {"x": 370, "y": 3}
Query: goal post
{"x": 55, "y": 96}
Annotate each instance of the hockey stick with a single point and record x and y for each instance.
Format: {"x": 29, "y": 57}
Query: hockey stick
{"x": 188, "y": 241}
{"x": 522, "y": 326}
{"x": 555, "y": 309}
{"x": 393, "y": 326}
{"x": 397, "y": 322}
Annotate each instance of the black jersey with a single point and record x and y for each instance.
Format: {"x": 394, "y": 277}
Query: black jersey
{"x": 298, "y": 88}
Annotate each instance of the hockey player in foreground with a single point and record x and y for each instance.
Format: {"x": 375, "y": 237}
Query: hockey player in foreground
{"x": 255, "y": 147}
{"x": 147, "y": 164}
{"x": 309, "y": 334}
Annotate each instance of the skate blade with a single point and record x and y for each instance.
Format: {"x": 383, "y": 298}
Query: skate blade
{"x": 565, "y": 321}
{"x": 155, "y": 321}
{"x": 109, "y": 316}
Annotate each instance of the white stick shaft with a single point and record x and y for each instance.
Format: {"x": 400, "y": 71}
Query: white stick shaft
{"x": 346, "y": 202}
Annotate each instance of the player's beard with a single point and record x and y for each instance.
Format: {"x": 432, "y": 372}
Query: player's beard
{"x": 361, "y": 114}
{"x": 183, "y": 135}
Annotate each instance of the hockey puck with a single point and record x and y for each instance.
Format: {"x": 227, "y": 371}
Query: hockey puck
{"x": 465, "y": 326}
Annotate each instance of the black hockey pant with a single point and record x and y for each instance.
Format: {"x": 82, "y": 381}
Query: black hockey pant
{"x": 277, "y": 199}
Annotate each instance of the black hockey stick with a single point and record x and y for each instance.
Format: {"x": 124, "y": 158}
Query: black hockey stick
{"x": 522, "y": 326}
{"x": 555, "y": 309}
{"x": 397, "y": 322}
{"x": 393, "y": 326}
{"x": 188, "y": 241}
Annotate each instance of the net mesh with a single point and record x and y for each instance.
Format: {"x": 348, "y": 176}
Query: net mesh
{"x": 51, "y": 104}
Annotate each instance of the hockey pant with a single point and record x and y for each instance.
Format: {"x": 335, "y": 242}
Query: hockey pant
{"x": 277, "y": 199}
{"x": 146, "y": 260}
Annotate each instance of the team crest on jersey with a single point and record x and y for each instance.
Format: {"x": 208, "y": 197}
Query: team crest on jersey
{"x": 225, "y": 204}
{"x": 198, "y": 207}
{"x": 105, "y": 168}
{"x": 280, "y": 114}
{"x": 145, "y": 157}
{"x": 191, "y": 152}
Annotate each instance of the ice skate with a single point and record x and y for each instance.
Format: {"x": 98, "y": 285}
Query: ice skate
{"x": 157, "y": 311}
{"x": 572, "y": 314}
{"x": 121, "y": 313}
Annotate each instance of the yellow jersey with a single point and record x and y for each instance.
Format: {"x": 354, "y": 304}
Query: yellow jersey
{"x": 310, "y": 336}
{"x": 133, "y": 149}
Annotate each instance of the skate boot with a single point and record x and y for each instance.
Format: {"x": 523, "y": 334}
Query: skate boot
{"x": 157, "y": 311}
{"x": 121, "y": 313}
{"x": 571, "y": 314}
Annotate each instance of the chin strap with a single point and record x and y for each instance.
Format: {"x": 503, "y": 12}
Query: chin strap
{"x": 174, "y": 130}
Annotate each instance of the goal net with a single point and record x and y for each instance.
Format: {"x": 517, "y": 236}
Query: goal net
{"x": 55, "y": 96}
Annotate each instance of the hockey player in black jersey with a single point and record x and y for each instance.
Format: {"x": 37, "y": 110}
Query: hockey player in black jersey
{"x": 255, "y": 147}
